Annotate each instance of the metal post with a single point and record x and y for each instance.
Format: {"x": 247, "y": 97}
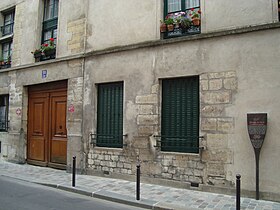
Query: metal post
{"x": 257, "y": 157}
{"x": 74, "y": 172}
{"x": 238, "y": 176}
{"x": 138, "y": 181}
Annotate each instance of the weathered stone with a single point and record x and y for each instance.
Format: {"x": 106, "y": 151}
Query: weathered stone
{"x": 204, "y": 85}
{"x": 230, "y": 83}
{"x": 114, "y": 157}
{"x": 221, "y": 97}
{"x": 147, "y": 119}
{"x": 119, "y": 164}
{"x": 212, "y": 111}
{"x": 217, "y": 141}
{"x": 216, "y": 75}
{"x": 218, "y": 156}
{"x": 172, "y": 170}
{"x": 167, "y": 162}
{"x": 230, "y": 74}
{"x": 145, "y": 109}
{"x": 112, "y": 164}
{"x": 140, "y": 143}
{"x": 145, "y": 130}
{"x": 208, "y": 124}
{"x": 127, "y": 165}
{"x": 215, "y": 84}
{"x": 225, "y": 125}
{"x": 203, "y": 76}
{"x": 90, "y": 161}
{"x": 155, "y": 89}
{"x": 147, "y": 99}
{"x": 166, "y": 175}
{"x": 215, "y": 169}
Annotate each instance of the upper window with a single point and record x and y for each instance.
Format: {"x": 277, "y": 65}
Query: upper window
{"x": 182, "y": 17}
{"x": 110, "y": 115}
{"x": 50, "y": 20}
{"x": 8, "y": 25}
{"x": 180, "y": 115}
{"x": 4, "y": 100}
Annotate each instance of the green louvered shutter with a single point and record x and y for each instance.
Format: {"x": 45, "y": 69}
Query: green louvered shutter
{"x": 180, "y": 115}
{"x": 110, "y": 115}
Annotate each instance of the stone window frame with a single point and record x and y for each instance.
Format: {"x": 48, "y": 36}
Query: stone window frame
{"x": 4, "y": 110}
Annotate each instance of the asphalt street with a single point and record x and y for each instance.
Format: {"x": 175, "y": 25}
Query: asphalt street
{"x": 20, "y": 195}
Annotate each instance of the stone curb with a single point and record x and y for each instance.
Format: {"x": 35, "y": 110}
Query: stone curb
{"x": 114, "y": 197}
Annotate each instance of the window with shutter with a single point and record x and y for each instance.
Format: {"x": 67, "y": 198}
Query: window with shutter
{"x": 110, "y": 115}
{"x": 4, "y": 100}
{"x": 180, "y": 115}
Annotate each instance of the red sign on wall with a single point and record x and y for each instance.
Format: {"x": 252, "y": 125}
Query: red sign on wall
{"x": 71, "y": 108}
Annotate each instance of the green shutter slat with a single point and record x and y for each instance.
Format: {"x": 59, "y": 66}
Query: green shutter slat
{"x": 180, "y": 114}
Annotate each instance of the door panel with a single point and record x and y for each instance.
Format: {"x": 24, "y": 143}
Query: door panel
{"x": 47, "y": 133}
{"x": 37, "y": 128}
{"x": 58, "y": 140}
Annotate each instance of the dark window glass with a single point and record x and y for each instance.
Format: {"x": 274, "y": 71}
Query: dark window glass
{"x": 8, "y": 23}
{"x": 50, "y": 20}
{"x": 4, "y": 100}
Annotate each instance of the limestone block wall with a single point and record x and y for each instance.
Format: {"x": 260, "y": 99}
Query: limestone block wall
{"x": 217, "y": 94}
{"x": 74, "y": 122}
{"x": 217, "y": 91}
{"x": 77, "y": 29}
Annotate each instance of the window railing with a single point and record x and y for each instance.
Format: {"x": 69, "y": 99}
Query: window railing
{"x": 7, "y": 29}
{"x": 5, "y": 64}
{"x": 4, "y": 125}
{"x": 184, "y": 144}
{"x": 107, "y": 140}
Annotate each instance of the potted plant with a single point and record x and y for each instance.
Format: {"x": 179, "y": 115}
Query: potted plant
{"x": 49, "y": 50}
{"x": 185, "y": 23}
{"x": 2, "y": 61}
{"x": 37, "y": 54}
{"x": 163, "y": 27}
{"x": 170, "y": 23}
{"x": 195, "y": 16}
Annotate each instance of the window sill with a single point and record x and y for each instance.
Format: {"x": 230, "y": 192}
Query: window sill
{"x": 179, "y": 32}
{"x": 180, "y": 154}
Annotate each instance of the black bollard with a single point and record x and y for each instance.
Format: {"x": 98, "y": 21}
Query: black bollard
{"x": 138, "y": 181}
{"x": 74, "y": 172}
{"x": 238, "y": 176}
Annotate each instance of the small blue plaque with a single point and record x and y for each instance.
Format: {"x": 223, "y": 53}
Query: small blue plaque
{"x": 44, "y": 74}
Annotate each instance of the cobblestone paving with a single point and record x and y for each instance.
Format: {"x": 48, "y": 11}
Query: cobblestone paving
{"x": 171, "y": 197}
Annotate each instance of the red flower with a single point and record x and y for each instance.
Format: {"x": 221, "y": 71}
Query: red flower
{"x": 192, "y": 9}
{"x": 51, "y": 39}
{"x": 45, "y": 45}
{"x": 199, "y": 12}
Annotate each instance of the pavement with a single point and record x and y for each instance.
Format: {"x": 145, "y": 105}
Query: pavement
{"x": 152, "y": 196}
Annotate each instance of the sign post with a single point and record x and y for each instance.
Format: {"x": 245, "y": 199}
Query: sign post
{"x": 257, "y": 124}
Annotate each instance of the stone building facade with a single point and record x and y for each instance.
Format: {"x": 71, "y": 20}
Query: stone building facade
{"x": 234, "y": 57}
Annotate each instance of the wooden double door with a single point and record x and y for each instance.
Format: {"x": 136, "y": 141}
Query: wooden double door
{"x": 47, "y": 133}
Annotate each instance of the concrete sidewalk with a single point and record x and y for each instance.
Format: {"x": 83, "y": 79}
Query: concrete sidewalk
{"x": 152, "y": 196}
